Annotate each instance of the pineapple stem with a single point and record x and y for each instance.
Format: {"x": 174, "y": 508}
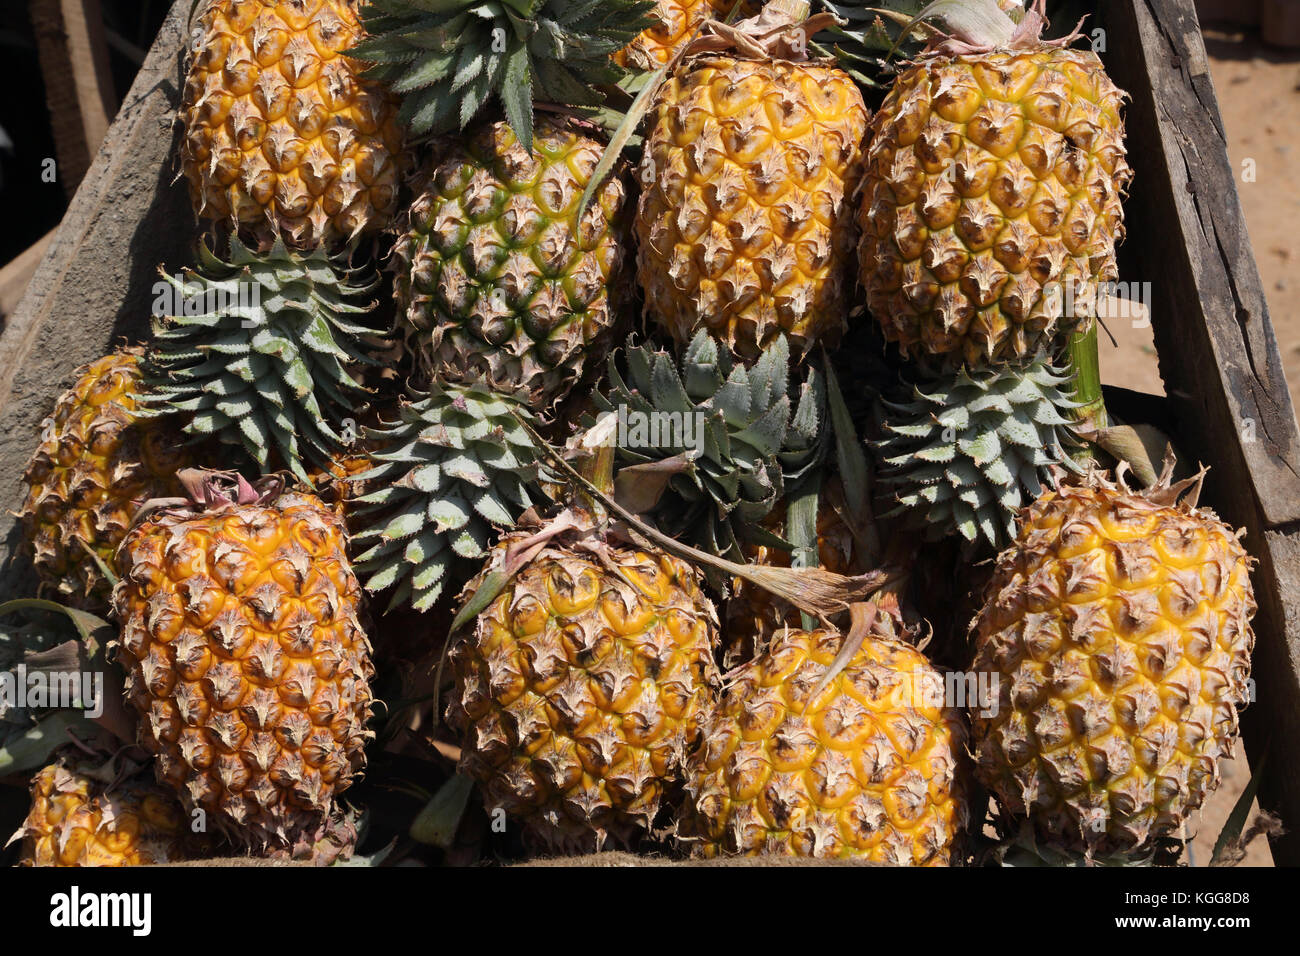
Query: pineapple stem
{"x": 1086, "y": 372}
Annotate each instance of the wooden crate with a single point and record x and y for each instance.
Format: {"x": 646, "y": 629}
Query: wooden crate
{"x": 1218, "y": 358}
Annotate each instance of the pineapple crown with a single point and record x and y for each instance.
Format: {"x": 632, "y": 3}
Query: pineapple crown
{"x": 1182, "y": 495}
{"x": 452, "y": 470}
{"x": 870, "y": 32}
{"x": 862, "y": 34}
{"x": 734, "y": 442}
{"x": 209, "y": 491}
{"x": 448, "y": 58}
{"x": 972, "y": 447}
{"x": 262, "y": 356}
{"x": 780, "y": 30}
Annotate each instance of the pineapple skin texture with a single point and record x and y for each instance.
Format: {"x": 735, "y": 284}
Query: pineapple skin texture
{"x": 73, "y": 821}
{"x": 745, "y": 225}
{"x": 868, "y": 769}
{"x": 678, "y": 21}
{"x": 496, "y": 279}
{"x": 84, "y": 477}
{"x": 990, "y": 179}
{"x": 281, "y": 134}
{"x": 1119, "y": 631}
{"x": 247, "y": 663}
{"x": 578, "y": 693}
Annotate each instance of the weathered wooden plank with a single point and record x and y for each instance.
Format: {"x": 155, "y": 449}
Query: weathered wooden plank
{"x": 93, "y": 287}
{"x": 78, "y": 83}
{"x": 1218, "y": 356}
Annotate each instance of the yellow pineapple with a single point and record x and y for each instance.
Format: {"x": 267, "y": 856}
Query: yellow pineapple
{"x": 77, "y": 819}
{"x": 864, "y": 765}
{"x": 581, "y": 685}
{"x": 96, "y": 462}
{"x": 497, "y": 279}
{"x": 991, "y": 203}
{"x": 744, "y": 225}
{"x": 677, "y": 21}
{"x": 1118, "y": 628}
{"x": 245, "y": 658}
{"x": 282, "y": 135}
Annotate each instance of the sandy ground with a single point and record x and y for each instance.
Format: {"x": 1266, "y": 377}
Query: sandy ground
{"x": 1259, "y": 97}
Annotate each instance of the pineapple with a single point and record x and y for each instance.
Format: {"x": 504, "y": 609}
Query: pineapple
{"x": 678, "y": 21}
{"x": 96, "y": 462}
{"x": 1118, "y": 627}
{"x": 581, "y": 683}
{"x": 76, "y": 819}
{"x": 991, "y": 203}
{"x": 865, "y": 764}
{"x": 497, "y": 279}
{"x": 744, "y": 226}
{"x": 282, "y": 137}
{"x": 298, "y": 156}
{"x": 245, "y": 658}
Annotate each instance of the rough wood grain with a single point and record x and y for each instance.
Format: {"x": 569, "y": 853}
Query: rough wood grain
{"x": 93, "y": 287}
{"x": 1218, "y": 356}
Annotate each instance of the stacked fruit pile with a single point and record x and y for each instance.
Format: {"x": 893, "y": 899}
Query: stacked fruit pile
{"x": 866, "y": 363}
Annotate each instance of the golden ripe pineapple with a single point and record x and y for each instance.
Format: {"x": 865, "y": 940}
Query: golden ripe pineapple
{"x": 95, "y": 464}
{"x": 677, "y": 21}
{"x": 1118, "y": 627}
{"x": 581, "y": 685}
{"x": 867, "y": 767}
{"x": 282, "y": 135}
{"x": 77, "y": 819}
{"x": 991, "y": 204}
{"x": 497, "y": 279}
{"x": 744, "y": 225}
{"x": 245, "y": 657}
